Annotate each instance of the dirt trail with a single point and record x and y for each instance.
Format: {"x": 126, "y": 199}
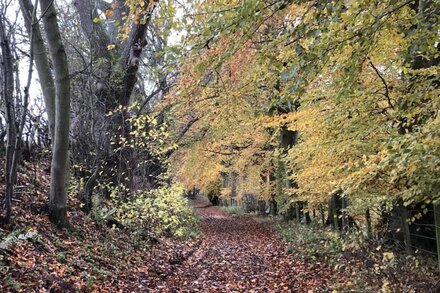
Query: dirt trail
{"x": 238, "y": 254}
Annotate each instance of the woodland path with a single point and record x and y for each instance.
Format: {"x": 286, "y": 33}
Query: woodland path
{"x": 239, "y": 254}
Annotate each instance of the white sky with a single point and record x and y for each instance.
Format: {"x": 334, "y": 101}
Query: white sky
{"x": 14, "y": 16}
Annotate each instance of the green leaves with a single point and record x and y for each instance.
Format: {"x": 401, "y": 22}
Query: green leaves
{"x": 98, "y": 20}
{"x": 162, "y": 212}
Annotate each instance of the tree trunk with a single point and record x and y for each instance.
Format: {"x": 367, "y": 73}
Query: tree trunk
{"x": 403, "y": 213}
{"x": 321, "y": 211}
{"x": 297, "y": 213}
{"x": 344, "y": 225}
{"x": 41, "y": 62}
{"x": 8, "y": 96}
{"x": 334, "y": 213}
{"x": 116, "y": 94}
{"x": 59, "y": 165}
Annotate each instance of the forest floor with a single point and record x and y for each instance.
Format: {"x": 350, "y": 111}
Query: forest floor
{"x": 239, "y": 254}
{"x": 231, "y": 254}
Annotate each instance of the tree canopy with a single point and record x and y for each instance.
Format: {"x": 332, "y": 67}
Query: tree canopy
{"x": 358, "y": 80}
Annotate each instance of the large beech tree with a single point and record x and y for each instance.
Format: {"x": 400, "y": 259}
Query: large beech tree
{"x": 116, "y": 55}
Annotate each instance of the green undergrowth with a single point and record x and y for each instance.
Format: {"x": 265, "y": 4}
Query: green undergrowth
{"x": 234, "y": 210}
{"x": 312, "y": 242}
{"x": 265, "y": 219}
{"x": 159, "y": 212}
{"x": 369, "y": 265}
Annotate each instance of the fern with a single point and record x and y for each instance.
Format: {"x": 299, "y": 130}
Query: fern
{"x": 16, "y": 236}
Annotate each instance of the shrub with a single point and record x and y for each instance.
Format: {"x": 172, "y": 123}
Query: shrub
{"x": 162, "y": 212}
{"x": 371, "y": 266}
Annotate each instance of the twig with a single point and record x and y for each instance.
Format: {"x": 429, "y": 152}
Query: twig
{"x": 387, "y": 92}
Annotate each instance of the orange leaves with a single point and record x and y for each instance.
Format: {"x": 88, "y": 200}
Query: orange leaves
{"x": 219, "y": 91}
{"x": 238, "y": 65}
{"x": 109, "y": 13}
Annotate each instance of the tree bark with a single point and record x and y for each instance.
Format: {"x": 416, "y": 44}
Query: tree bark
{"x": 41, "y": 62}
{"x": 59, "y": 165}
{"x": 321, "y": 211}
{"x": 403, "y": 214}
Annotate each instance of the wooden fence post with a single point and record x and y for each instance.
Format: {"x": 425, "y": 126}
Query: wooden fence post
{"x": 437, "y": 230}
{"x": 368, "y": 219}
{"x": 298, "y": 218}
{"x": 321, "y": 210}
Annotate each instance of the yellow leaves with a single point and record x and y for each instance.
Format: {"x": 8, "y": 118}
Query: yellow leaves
{"x": 136, "y": 12}
{"x": 322, "y": 59}
{"x": 225, "y": 100}
{"x": 388, "y": 256}
{"x": 277, "y": 120}
{"x": 160, "y": 211}
{"x": 194, "y": 167}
